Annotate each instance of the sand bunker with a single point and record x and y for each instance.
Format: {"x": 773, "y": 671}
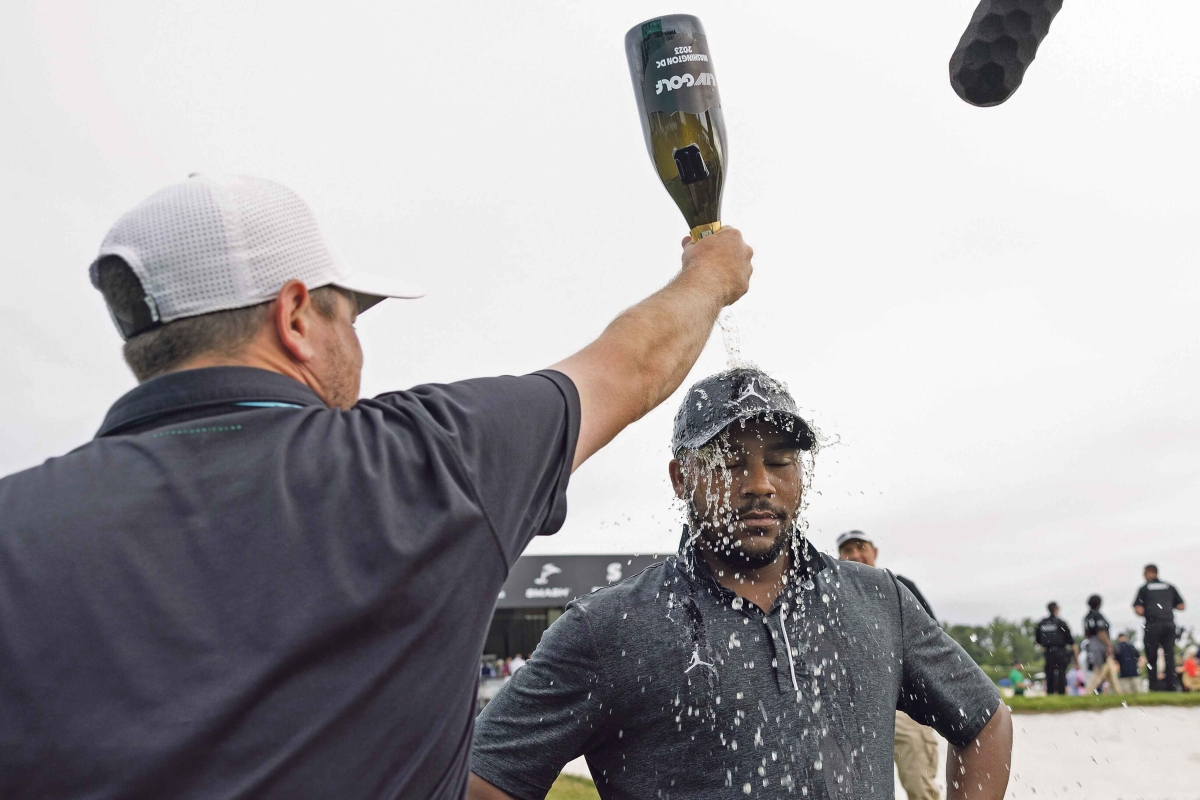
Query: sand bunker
{"x": 1117, "y": 754}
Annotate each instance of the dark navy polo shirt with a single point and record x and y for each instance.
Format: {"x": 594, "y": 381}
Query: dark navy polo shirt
{"x": 236, "y": 591}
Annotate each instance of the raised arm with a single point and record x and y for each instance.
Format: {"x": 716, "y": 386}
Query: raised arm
{"x": 647, "y": 351}
{"x": 479, "y": 789}
{"x": 980, "y": 770}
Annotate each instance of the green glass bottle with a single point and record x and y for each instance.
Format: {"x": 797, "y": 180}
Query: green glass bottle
{"x": 680, "y": 109}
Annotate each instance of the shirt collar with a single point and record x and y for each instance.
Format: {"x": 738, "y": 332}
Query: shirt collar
{"x": 200, "y": 388}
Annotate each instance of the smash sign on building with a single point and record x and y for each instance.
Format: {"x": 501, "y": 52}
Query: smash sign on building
{"x": 547, "y": 581}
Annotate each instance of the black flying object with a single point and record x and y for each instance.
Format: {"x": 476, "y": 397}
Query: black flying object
{"x": 997, "y": 47}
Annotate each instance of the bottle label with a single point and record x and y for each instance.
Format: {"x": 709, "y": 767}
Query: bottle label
{"x": 679, "y": 73}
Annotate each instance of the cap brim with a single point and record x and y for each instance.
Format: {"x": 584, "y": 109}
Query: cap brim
{"x": 373, "y": 289}
{"x": 844, "y": 539}
{"x": 802, "y": 433}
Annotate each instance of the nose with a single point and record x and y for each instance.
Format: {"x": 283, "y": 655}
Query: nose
{"x": 757, "y": 480}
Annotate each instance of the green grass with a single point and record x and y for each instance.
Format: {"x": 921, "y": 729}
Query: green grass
{"x": 569, "y": 788}
{"x": 996, "y": 673}
{"x": 1098, "y": 702}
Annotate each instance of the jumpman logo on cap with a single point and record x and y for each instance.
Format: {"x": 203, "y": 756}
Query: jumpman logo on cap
{"x": 751, "y": 390}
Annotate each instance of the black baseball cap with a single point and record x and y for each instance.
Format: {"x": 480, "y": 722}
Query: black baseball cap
{"x": 720, "y": 400}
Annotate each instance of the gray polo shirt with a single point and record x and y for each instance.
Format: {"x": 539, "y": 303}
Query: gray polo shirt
{"x": 235, "y": 591}
{"x": 674, "y": 687}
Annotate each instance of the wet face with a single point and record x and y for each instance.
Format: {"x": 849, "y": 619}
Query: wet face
{"x": 743, "y": 491}
{"x": 338, "y": 359}
{"x": 858, "y": 550}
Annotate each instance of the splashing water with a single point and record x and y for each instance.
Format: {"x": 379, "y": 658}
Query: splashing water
{"x": 791, "y": 751}
{"x": 731, "y": 337}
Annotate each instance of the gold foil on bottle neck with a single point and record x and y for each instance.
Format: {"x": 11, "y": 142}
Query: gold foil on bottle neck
{"x": 708, "y": 229}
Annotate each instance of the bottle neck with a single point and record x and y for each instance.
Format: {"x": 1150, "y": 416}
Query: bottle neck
{"x": 707, "y": 229}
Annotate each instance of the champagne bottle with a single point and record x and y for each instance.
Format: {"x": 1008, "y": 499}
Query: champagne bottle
{"x": 680, "y": 109}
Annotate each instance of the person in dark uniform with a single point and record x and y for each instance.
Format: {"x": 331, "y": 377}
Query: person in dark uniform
{"x": 1054, "y": 637}
{"x": 1158, "y": 601}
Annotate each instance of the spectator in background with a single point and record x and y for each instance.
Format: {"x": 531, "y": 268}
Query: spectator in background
{"x": 1190, "y": 671}
{"x": 516, "y": 663}
{"x": 1157, "y": 601}
{"x": 1054, "y": 637}
{"x": 1017, "y": 676}
{"x": 1099, "y": 649}
{"x": 1074, "y": 680}
{"x": 915, "y": 744}
{"x": 858, "y": 546}
{"x": 1128, "y": 660}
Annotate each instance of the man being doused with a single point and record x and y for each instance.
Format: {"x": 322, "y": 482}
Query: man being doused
{"x": 748, "y": 663}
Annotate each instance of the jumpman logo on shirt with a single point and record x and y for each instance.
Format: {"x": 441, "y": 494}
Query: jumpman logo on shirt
{"x": 696, "y": 662}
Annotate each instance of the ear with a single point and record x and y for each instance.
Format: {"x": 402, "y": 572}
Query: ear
{"x": 677, "y": 481}
{"x": 292, "y": 317}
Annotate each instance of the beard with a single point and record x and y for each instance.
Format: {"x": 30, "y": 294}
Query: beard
{"x": 742, "y": 549}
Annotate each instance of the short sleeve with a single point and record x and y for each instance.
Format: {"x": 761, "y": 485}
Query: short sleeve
{"x": 550, "y": 712}
{"x": 1066, "y": 629}
{"x": 515, "y": 438}
{"x": 1140, "y": 598}
{"x": 941, "y": 686}
{"x": 1178, "y": 597}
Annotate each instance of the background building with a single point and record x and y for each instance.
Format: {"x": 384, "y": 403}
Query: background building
{"x": 538, "y": 589}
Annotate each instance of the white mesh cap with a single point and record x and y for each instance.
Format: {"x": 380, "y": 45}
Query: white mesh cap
{"x": 213, "y": 243}
{"x": 850, "y": 536}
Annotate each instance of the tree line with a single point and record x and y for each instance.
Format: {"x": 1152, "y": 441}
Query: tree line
{"x": 996, "y": 645}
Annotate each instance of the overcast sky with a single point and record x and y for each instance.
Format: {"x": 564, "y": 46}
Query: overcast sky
{"x": 992, "y": 312}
